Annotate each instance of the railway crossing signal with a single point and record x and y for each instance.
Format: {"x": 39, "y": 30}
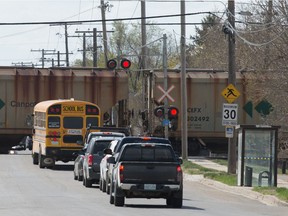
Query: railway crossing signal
{"x": 159, "y": 111}
{"x": 125, "y": 63}
{"x": 173, "y": 113}
{"x": 112, "y": 64}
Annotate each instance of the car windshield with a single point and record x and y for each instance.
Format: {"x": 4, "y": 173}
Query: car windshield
{"x": 99, "y": 146}
{"x": 126, "y": 140}
{"x": 147, "y": 153}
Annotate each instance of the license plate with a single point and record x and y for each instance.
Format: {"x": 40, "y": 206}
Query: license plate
{"x": 149, "y": 186}
{"x": 74, "y": 132}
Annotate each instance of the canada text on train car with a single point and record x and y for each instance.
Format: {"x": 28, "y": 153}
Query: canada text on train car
{"x": 230, "y": 93}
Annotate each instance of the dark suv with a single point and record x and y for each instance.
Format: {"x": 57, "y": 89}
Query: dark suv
{"x": 92, "y": 159}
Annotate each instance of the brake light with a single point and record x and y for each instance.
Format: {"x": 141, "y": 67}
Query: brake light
{"x": 90, "y": 160}
{"x": 179, "y": 173}
{"x": 121, "y": 169}
{"x": 146, "y": 138}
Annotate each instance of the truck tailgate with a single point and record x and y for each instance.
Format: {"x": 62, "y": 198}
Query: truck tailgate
{"x": 149, "y": 172}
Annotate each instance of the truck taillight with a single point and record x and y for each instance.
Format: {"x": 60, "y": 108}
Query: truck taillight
{"x": 121, "y": 169}
{"x": 90, "y": 160}
{"x": 179, "y": 173}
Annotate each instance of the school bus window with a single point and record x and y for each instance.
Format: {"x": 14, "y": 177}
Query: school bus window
{"x": 39, "y": 119}
{"x": 73, "y": 122}
{"x": 72, "y": 138}
{"x": 93, "y": 121}
{"x": 53, "y": 122}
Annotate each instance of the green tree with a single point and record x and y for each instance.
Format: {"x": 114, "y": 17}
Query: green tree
{"x": 209, "y": 46}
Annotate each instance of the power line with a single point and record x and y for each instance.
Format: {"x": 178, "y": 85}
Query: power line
{"x": 107, "y": 20}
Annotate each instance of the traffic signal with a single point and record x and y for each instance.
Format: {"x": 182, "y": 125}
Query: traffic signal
{"x": 159, "y": 111}
{"x": 173, "y": 118}
{"x": 112, "y": 64}
{"x": 172, "y": 113}
{"x": 125, "y": 63}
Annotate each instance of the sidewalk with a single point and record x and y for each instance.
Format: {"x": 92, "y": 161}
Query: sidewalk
{"x": 282, "y": 181}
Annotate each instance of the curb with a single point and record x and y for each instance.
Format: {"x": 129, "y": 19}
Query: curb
{"x": 243, "y": 191}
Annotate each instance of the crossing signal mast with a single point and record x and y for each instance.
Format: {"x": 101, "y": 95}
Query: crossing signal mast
{"x": 112, "y": 64}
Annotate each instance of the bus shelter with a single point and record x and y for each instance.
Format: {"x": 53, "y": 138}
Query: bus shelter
{"x": 257, "y": 155}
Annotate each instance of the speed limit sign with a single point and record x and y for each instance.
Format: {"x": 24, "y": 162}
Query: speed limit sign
{"x": 229, "y": 114}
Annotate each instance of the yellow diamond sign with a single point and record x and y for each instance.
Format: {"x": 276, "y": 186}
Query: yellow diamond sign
{"x": 230, "y": 93}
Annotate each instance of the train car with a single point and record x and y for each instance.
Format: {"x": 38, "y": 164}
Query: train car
{"x": 21, "y": 88}
{"x": 205, "y": 98}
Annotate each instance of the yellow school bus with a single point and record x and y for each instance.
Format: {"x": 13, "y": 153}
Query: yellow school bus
{"x": 59, "y": 127}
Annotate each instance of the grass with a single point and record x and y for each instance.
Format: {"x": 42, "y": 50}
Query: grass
{"x": 230, "y": 179}
{"x": 281, "y": 193}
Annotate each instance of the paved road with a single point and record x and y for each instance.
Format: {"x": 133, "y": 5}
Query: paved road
{"x": 27, "y": 190}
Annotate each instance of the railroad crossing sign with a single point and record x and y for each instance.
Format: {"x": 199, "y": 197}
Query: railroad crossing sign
{"x": 230, "y": 93}
{"x": 229, "y": 114}
{"x": 166, "y": 93}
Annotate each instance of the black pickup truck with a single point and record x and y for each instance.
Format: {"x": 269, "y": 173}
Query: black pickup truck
{"x": 147, "y": 170}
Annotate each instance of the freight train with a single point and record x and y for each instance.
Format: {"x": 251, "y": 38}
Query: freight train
{"x": 22, "y": 87}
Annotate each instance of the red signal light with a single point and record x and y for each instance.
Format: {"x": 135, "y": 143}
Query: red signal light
{"x": 111, "y": 64}
{"x": 173, "y": 112}
{"x": 125, "y": 63}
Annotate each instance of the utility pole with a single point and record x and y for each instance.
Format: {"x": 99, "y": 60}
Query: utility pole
{"x": 84, "y": 50}
{"x": 95, "y": 47}
{"x": 44, "y": 52}
{"x": 146, "y": 105}
{"x": 231, "y": 80}
{"x": 184, "y": 140}
{"x": 165, "y": 82}
{"x": 103, "y": 9}
{"x": 66, "y": 39}
{"x": 268, "y": 21}
{"x": 66, "y": 46}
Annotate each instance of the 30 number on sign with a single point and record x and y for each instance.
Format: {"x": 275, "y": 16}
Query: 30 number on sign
{"x": 229, "y": 114}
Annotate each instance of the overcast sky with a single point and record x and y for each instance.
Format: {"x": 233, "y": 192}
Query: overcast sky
{"x": 17, "y": 41}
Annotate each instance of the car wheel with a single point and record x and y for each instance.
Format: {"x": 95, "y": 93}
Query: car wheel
{"x": 35, "y": 158}
{"x": 75, "y": 176}
{"x": 80, "y": 178}
{"x": 111, "y": 195}
{"x": 103, "y": 186}
{"x": 118, "y": 200}
{"x": 100, "y": 184}
{"x": 41, "y": 160}
{"x": 87, "y": 182}
{"x": 177, "y": 199}
{"x": 107, "y": 185}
